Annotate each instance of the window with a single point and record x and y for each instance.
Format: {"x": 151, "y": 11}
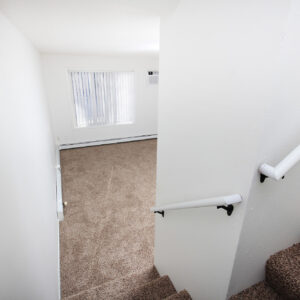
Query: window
{"x": 103, "y": 98}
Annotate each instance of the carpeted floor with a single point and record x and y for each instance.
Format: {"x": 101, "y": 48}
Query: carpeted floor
{"x": 108, "y": 230}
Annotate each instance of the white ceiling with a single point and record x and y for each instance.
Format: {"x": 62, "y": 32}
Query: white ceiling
{"x": 89, "y": 26}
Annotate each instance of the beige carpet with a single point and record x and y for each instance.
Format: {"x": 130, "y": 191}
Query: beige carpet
{"x": 108, "y": 231}
{"x": 282, "y": 280}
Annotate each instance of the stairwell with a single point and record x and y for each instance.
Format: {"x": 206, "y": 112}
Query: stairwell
{"x": 282, "y": 278}
{"x": 107, "y": 236}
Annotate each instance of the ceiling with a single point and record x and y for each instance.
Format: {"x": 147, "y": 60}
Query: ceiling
{"x": 89, "y": 26}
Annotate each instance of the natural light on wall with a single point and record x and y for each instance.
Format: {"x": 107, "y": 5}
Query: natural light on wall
{"x": 103, "y": 98}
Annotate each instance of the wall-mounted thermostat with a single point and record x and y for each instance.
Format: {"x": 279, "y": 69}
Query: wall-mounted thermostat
{"x": 153, "y": 77}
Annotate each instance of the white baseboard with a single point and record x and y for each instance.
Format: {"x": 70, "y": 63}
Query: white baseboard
{"x": 108, "y": 141}
{"x": 59, "y": 201}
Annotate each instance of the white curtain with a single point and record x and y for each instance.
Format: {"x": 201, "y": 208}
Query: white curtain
{"x": 103, "y": 98}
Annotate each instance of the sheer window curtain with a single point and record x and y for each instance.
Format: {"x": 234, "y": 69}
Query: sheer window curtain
{"x": 103, "y": 98}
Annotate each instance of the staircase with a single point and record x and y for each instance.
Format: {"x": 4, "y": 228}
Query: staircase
{"x": 144, "y": 286}
{"x": 282, "y": 280}
{"x": 160, "y": 288}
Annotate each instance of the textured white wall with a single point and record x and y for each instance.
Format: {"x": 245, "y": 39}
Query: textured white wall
{"x": 59, "y": 95}
{"x": 218, "y": 73}
{"x": 28, "y": 222}
{"x": 272, "y": 220}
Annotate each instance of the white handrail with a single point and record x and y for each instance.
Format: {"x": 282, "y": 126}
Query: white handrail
{"x": 217, "y": 201}
{"x": 282, "y": 168}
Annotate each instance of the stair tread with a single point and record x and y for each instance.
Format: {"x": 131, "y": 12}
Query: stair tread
{"x": 283, "y": 272}
{"x": 129, "y": 289}
{"x": 259, "y": 291}
{"x": 182, "y": 295}
{"x": 118, "y": 289}
{"x": 155, "y": 290}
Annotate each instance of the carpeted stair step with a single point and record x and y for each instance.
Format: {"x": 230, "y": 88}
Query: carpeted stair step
{"x": 259, "y": 291}
{"x": 157, "y": 289}
{"x": 117, "y": 289}
{"x": 182, "y": 295}
{"x": 283, "y": 272}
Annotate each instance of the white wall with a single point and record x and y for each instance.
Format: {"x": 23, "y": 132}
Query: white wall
{"x": 28, "y": 223}
{"x": 59, "y": 95}
{"x": 272, "y": 220}
{"x": 218, "y": 73}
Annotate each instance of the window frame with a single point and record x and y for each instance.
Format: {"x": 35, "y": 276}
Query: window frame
{"x": 72, "y": 102}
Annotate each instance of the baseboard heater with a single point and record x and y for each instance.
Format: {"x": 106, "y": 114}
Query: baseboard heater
{"x": 108, "y": 141}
